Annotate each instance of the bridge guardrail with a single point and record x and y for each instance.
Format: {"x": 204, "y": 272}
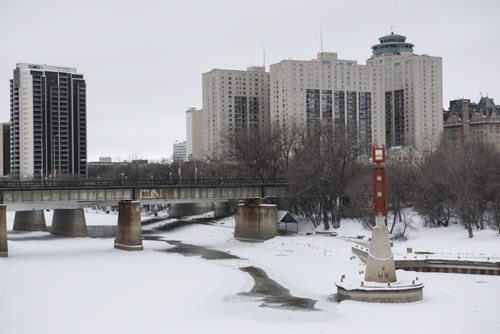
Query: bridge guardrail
{"x": 136, "y": 183}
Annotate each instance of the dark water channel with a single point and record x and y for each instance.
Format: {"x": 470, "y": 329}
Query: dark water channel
{"x": 274, "y": 294}
{"x": 271, "y": 293}
{"x": 192, "y": 250}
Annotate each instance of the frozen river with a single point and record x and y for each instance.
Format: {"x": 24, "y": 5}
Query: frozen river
{"x": 83, "y": 285}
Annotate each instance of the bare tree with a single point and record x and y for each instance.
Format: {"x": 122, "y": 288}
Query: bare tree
{"x": 323, "y": 164}
{"x": 460, "y": 181}
{"x": 402, "y": 174}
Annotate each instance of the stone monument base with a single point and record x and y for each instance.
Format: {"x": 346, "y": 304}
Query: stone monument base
{"x": 372, "y": 292}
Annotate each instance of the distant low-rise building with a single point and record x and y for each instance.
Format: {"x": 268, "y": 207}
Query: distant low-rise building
{"x": 405, "y": 155}
{"x": 180, "y": 151}
{"x": 469, "y": 121}
{"x": 104, "y": 166}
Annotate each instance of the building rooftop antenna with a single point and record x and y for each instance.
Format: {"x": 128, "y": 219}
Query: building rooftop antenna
{"x": 321, "y": 37}
{"x": 264, "y": 57}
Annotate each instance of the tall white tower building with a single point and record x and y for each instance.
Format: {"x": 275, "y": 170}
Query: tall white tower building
{"x": 413, "y": 93}
{"x": 194, "y": 133}
{"x": 234, "y": 102}
{"x": 189, "y": 131}
{"x": 330, "y": 91}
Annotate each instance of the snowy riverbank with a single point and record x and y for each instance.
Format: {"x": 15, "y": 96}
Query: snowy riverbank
{"x": 83, "y": 285}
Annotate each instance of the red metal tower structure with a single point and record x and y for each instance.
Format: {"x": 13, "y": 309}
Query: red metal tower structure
{"x": 379, "y": 188}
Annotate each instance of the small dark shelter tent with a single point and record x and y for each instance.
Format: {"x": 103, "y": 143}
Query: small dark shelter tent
{"x": 286, "y": 223}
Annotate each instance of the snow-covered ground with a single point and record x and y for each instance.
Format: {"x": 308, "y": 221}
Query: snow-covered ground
{"x": 83, "y": 285}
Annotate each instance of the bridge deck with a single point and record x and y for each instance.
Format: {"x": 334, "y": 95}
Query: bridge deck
{"x": 43, "y": 195}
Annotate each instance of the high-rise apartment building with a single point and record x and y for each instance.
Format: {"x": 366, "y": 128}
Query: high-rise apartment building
{"x": 234, "y": 102}
{"x": 180, "y": 151}
{"x": 331, "y": 92}
{"x": 48, "y": 121}
{"x": 4, "y": 148}
{"x": 395, "y": 99}
{"x": 413, "y": 93}
{"x": 194, "y": 133}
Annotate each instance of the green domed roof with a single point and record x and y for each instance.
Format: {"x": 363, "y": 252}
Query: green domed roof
{"x": 392, "y": 37}
{"x": 486, "y": 103}
{"x": 392, "y": 44}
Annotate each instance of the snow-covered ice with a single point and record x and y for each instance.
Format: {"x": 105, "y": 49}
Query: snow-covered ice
{"x": 83, "y": 285}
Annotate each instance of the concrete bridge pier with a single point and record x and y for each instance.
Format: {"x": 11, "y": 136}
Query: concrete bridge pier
{"x": 33, "y": 220}
{"x": 179, "y": 210}
{"x": 3, "y": 231}
{"x": 69, "y": 223}
{"x": 222, "y": 209}
{"x": 256, "y": 220}
{"x": 128, "y": 233}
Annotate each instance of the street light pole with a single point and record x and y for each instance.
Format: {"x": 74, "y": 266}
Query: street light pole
{"x": 180, "y": 171}
{"x": 195, "y": 172}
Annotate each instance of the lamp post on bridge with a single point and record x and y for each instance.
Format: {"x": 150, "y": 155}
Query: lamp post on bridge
{"x": 195, "y": 172}
{"x": 180, "y": 171}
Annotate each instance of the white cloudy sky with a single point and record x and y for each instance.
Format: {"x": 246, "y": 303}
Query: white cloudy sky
{"x": 143, "y": 59}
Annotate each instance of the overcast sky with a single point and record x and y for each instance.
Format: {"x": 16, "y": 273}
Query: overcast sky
{"x": 143, "y": 60}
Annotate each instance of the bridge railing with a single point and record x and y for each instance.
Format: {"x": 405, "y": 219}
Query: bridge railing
{"x": 135, "y": 183}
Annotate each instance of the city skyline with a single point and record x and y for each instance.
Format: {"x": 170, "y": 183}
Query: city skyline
{"x": 143, "y": 66}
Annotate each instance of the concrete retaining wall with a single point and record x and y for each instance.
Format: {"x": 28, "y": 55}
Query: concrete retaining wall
{"x": 383, "y": 296}
{"x": 440, "y": 266}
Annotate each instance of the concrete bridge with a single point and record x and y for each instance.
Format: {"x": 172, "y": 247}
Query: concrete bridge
{"x": 37, "y": 195}
{"x": 68, "y": 198}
